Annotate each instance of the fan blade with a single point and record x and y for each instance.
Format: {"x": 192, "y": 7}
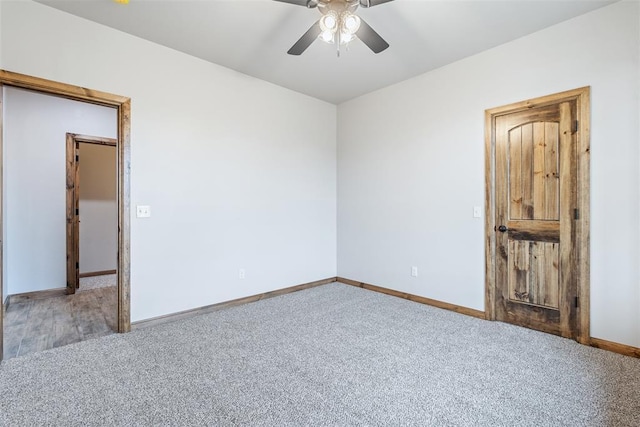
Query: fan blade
{"x": 369, "y": 37}
{"x": 371, "y": 3}
{"x": 306, "y": 3}
{"x": 305, "y": 41}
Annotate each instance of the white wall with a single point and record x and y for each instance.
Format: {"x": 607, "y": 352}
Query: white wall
{"x": 35, "y": 128}
{"x": 98, "y": 208}
{"x": 239, "y": 173}
{"x": 411, "y": 166}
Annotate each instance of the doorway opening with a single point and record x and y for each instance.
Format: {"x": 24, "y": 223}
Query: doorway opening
{"x": 123, "y": 107}
{"x": 93, "y": 186}
{"x": 537, "y": 222}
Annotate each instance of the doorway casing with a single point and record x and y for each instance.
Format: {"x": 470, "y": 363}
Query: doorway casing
{"x": 123, "y": 106}
{"x": 581, "y": 97}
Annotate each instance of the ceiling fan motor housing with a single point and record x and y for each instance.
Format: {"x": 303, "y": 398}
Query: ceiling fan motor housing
{"x": 338, "y": 6}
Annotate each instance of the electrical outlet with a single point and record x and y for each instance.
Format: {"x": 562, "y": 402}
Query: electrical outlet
{"x": 241, "y": 273}
{"x": 414, "y": 271}
{"x": 143, "y": 211}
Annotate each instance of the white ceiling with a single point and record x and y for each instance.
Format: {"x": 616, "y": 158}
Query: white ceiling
{"x": 253, "y": 36}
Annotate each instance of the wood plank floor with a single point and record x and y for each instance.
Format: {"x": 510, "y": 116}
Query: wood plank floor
{"x": 41, "y": 324}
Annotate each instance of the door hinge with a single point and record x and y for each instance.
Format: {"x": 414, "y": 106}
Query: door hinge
{"x": 77, "y": 158}
{"x": 77, "y": 211}
{"x": 575, "y": 126}
{"x": 576, "y": 303}
{"x": 576, "y": 214}
{"x": 77, "y": 265}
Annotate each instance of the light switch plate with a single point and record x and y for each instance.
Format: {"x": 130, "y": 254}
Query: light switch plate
{"x": 143, "y": 211}
{"x": 477, "y": 212}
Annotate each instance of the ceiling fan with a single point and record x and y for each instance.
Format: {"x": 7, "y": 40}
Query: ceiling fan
{"x": 338, "y": 24}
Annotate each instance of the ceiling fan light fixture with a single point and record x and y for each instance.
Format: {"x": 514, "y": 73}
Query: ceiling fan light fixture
{"x": 350, "y": 23}
{"x": 329, "y": 22}
{"x": 326, "y": 36}
{"x": 346, "y": 37}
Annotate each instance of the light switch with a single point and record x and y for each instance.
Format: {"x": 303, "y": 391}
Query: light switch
{"x": 477, "y": 212}
{"x": 143, "y": 211}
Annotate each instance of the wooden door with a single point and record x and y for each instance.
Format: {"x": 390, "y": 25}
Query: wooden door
{"x": 72, "y": 214}
{"x": 535, "y": 185}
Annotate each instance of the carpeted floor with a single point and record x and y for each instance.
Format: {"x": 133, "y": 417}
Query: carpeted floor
{"x": 331, "y": 355}
{"x": 97, "y": 282}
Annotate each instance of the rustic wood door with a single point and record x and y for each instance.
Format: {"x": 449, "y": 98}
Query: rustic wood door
{"x": 535, "y": 187}
{"x": 72, "y": 214}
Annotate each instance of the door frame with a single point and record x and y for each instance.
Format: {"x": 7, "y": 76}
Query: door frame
{"x": 73, "y": 142}
{"x": 581, "y": 238}
{"x": 123, "y": 105}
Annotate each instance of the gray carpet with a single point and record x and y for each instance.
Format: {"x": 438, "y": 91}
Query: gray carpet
{"x": 96, "y": 282}
{"x": 331, "y": 355}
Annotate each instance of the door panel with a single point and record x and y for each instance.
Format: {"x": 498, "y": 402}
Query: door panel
{"x": 533, "y": 273}
{"x": 535, "y": 198}
{"x": 533, "y": 171}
